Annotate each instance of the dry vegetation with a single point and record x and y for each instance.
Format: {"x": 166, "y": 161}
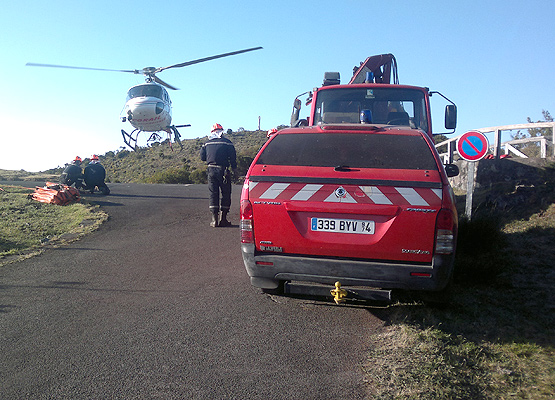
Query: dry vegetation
{"x": 495, "y": 340}
{"x": 29, "y": 226}
{"x": 164, "y": 164}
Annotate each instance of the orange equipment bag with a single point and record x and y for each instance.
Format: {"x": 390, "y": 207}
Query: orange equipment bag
{"x": 56, "y": 193}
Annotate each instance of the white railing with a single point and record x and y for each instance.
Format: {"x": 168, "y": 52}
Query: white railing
{"x": 508, "y": 146}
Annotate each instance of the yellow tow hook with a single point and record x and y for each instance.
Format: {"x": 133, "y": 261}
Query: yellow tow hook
{"x": 338, "y": 293}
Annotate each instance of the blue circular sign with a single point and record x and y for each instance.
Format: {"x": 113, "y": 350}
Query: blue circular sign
{"x": 473, "y": 146}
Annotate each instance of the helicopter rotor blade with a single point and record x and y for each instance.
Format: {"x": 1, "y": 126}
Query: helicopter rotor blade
{"x": 161, "y": 82}
{"x": 92, "y": 69}
{"x": 187, "y": 63}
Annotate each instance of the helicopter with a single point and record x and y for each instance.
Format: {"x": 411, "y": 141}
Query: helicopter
{"x": 148, "y": 107}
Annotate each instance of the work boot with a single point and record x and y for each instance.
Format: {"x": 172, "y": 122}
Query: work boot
{"x": 224, "y": 221}
{"x": 214, "y": 223}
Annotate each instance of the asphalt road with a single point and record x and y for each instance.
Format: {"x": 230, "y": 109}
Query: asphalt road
{"x": 157, "y": 305}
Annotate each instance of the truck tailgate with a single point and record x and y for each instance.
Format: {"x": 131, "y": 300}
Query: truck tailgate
{"x": 389, "y": 220}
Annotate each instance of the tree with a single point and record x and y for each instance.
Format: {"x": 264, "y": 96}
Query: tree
{"x": 546, "y": 132}
{"x": 533, "y": 149}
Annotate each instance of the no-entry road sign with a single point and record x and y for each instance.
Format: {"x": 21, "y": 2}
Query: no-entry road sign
{"x": 472, "y": 146}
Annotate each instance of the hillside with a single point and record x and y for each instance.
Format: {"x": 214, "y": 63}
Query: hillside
{"x": 158, "y": 163}
{"x": 161, "y": 163}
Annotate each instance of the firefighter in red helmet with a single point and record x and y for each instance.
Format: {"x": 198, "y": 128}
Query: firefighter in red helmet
{"x": 73, "y": 174}
{"x": 95, "y": 174}
{"x": 219, "y": 154}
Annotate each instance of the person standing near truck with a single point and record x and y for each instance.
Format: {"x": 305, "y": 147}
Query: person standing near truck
{"x": 219, "y": 154}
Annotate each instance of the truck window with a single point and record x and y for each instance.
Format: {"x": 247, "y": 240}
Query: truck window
{"x": 392, "y": 106}
{"x": 355, "y": 150}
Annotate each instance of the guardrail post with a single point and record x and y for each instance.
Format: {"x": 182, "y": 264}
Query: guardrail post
{"x": 497, "y": 144}
{"x": 469, "y": 188}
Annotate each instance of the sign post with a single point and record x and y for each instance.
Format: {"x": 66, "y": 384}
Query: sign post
{"x": 472, "y": 147}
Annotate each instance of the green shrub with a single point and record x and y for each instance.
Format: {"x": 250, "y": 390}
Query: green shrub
{"x": 122, "y": 154}
{"x": 198, "y": 176}
{"x": 173, "y": 175}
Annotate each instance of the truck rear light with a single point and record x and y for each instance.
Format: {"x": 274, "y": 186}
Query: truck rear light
{"x": 445, "y": 239}
{"x": 264, "y": 263}
{"x": 247, "y": 234}
{"x": 421, "y": 274}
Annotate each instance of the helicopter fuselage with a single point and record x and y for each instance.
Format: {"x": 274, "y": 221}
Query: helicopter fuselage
{"x": 148, "y": 108}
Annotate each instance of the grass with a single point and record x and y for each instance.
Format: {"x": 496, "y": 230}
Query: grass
{"x": 28, "y": 226}
{"x": 22, "y": 175}
{"x": 430, "y": 363}
{"x": 495, "y": 340}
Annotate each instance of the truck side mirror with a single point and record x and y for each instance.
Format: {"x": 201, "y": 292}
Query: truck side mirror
{"x": 296, "y": 111}
{"x": 450, "y": 116}
{"x": 451, "y": 170}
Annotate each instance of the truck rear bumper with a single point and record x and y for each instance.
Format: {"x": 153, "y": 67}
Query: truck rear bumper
{"x": 267, "y": 270}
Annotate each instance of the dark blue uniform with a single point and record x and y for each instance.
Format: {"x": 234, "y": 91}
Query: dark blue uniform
{"x": 219, "y": 154}
{"x": 95, "y": 174}
{"x": 72, "y": 175}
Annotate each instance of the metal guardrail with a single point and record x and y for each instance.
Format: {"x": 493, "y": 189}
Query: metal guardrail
{"x": 451, "y": 143}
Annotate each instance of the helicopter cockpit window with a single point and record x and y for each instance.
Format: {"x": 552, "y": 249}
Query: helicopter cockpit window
{"x": 146, "y": 91}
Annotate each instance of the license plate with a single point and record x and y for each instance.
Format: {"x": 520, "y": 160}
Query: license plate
{"x": 342, "y": 225}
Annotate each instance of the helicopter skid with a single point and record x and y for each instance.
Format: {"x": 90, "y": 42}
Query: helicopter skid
{"x": 130, "y": 139}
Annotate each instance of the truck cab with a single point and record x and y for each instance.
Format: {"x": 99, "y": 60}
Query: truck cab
{"x": 369, "y": 98}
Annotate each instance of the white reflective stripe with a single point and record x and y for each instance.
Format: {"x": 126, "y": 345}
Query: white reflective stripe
{"x": 439, "y": 193}
{"x": 306, "y": 192}
{"x": 274, "y": 190}
{"x": 332, "y": 198}
{"x": 412, "y": 197}
{"x": 252, "y": 185}
{"x": 212, "y": 143}
{"x": 375, "y": 195}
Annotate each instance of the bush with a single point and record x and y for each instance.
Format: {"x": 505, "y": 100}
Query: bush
{"x": 198, "y": 176}
{"x": 170, "y": 176}
{"x": 243, "y": 164}
{"x": 122, "y": 154}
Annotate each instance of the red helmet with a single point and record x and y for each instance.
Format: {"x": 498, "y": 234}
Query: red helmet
{"x": 77, "y": 159}
{"x": 94, "y": 157}
{"x": 271, "y": 132}
{"x": 217, "y": 127}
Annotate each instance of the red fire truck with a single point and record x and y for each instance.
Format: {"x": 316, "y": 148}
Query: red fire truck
{"x": 352, "y": 201}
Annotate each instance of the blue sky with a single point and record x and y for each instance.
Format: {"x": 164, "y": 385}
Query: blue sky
{"x": 494, "y": 59}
